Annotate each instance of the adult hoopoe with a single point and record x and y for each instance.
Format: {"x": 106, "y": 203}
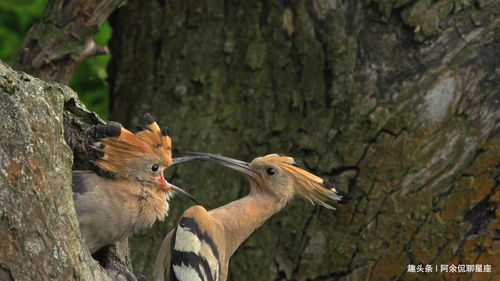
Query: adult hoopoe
{"x": 200, "y": 247}
{"x": 135, "y": 194}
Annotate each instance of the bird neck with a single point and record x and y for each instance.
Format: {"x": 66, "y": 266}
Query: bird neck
{"x": 148, "y": 202}
{"x": 241, "y": 217}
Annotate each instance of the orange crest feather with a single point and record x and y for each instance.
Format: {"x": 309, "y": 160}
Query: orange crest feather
{"x": 119, "y": 147}
{"x": 310, "y": 186}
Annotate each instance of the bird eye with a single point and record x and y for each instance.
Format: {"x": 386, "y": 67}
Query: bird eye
{"x": 155, "y": 168}
{"x": 271, "y": 171}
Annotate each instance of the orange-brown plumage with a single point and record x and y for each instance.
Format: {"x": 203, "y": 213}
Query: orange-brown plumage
{"x": 136, "y": 193}
{"x": 126, "y": 147}
{"x": 203, "y": 242}
{"x": 312, "y": 187}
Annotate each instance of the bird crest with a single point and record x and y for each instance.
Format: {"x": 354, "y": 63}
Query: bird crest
{"x": 117, "y": 147}
{"x": 308, "y": 185}
{"x": 265, "y": 172}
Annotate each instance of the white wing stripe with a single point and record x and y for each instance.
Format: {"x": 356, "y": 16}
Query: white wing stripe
{"x": 183, "y": 272}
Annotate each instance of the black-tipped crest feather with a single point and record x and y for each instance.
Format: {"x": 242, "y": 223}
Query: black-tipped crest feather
{"x": 328, "y": 184}
{"x": 138, "y": 128}
{"x": 165, "y": 132}
{"x": 99, "y": 154}
{"x": 114, "y": 147}
{"x": 345, "y": 197}
{"x": 104, "y": 131}
{"x": 148, "y": 119}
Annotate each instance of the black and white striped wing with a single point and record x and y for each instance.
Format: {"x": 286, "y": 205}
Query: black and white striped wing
{"x": 194, "y": 254}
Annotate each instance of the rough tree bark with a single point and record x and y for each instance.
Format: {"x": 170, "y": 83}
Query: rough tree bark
{"x": 62, "y": 39}
{"x": 396, "y": 100}
{"x": 52, "y": 50}
{"x": 39, "y": 236}
{"x": 43, "y": 124}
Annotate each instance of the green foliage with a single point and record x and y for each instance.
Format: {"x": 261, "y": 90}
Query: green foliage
{"x": 89, "y": 79}
{"x": 16, "y": 17}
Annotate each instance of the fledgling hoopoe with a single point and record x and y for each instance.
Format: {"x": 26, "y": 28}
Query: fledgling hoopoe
{"x": 200, "y": 247}
{"x": 136, "y": 193}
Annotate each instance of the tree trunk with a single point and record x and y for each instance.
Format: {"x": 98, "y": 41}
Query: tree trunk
{"x": 38, "y": 227}
{"x": 39, "y": 236}
{"x": 396, "y": 100}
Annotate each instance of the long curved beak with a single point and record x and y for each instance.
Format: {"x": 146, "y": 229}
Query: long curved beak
{"x": 186, "y": 159}
{"x": 237, "y": 165}
{"x": 183, "y": 192}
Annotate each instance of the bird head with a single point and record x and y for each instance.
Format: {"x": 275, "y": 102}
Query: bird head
{"x": 141, "y": 155}
{"x": 280, "y": 176}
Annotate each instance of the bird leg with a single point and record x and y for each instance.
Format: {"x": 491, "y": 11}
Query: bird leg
{"x": 123, "y": 270}
{"x": 112, "y": 258}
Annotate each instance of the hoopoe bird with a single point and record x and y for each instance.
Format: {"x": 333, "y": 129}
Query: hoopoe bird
{"x": 135, "y": 194}
{"x": 200, "y": 247}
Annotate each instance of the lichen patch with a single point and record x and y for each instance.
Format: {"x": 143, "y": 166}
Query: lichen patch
{"x": 440, "y": 99}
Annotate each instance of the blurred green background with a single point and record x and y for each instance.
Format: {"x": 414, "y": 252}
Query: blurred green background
{"x": 89, "y": 80}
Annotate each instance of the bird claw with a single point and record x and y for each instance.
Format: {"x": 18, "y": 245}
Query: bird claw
{"x": 124, "y": 271}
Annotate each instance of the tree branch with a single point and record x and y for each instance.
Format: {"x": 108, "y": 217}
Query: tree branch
{"x": 62, "y": 39}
